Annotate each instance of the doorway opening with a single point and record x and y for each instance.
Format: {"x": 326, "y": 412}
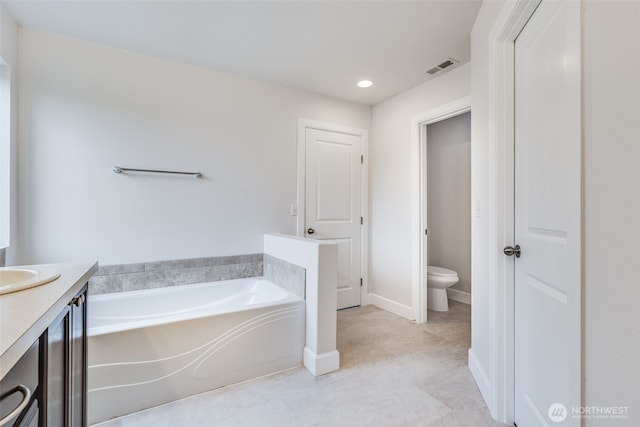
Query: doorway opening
{"x": 420, "y": 196}
{"x": 448, "y": 212}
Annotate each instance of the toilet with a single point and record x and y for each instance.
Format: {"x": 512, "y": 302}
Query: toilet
{"x": 438, "y": 280}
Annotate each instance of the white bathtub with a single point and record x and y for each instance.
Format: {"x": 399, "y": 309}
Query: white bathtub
{"x": 154, "y": 346}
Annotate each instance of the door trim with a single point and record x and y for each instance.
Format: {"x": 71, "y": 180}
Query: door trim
{"x": 419, "y": 123}
{"x": 499, "y": 393}
{"x": 303, "y": 125}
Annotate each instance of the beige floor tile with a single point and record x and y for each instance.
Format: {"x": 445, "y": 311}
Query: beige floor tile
{"x": 466, "y": 418}
{"x": 393, "y": 373}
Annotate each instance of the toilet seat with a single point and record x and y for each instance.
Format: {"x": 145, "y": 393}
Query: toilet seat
{"x": 440, "y": 272}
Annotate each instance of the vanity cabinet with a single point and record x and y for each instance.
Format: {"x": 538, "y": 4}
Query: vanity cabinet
{"x": 54, "y": 372}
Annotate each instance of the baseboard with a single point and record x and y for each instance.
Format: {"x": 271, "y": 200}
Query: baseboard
{"x": 392, "y": 306}
{"x": 481, "y": 378}
{"x": 460, "y": 296}
{"x": 320, "y": 364}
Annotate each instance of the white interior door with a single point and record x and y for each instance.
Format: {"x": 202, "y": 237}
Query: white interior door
{"x": 333, "y": 203}
{"x": 548, "y": 217}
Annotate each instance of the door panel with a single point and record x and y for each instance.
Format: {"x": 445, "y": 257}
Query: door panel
{"x": 58, "y": 371}
{"x": 548, "y": 216}
{"x": 333, "y": 183}
{"x": 333, "y": 207}
{"x": 78, "y": 360}
{"x": 345, "y": 262}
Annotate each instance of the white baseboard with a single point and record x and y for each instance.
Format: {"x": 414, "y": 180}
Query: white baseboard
{"x": 392, "y": 306}
{"x": 481, "y": 378}
{"x": 460, "y": 296}
{"x": 320, "y": 364}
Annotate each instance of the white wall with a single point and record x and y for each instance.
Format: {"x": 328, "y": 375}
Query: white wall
{"x": 9, "y": 53}
{"x": 612, "y": 207}
{"x": 390, "y": 186}
{"x": 449, "y": 196}
{"x": 611, "y": 168}
{"x": 85, "y": 107}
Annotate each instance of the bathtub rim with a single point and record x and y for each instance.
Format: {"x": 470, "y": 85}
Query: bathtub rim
{"x": 93, "y": 331}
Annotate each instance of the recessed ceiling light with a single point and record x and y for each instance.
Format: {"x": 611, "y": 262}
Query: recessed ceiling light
{"x": 365, "y": 83}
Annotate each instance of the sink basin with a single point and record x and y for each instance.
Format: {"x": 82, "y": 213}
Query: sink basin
{"x": 13, "y": 279}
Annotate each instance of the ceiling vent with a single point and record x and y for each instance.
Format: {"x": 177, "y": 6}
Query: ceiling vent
{"x": 443, "y": 65}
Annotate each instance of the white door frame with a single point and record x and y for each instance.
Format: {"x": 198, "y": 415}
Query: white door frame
{"x": 501, "y": 207}
{"x": 303, "y": 125}
{"x": 419, "y": 124}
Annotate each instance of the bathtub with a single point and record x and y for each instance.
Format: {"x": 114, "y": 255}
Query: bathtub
{"x": 155, "y": 346}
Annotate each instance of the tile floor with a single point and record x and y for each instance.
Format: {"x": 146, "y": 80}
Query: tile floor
{"x": 393, "y": 373}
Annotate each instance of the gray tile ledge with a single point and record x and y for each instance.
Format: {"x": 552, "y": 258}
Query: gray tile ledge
{"x": 156, "y": 274}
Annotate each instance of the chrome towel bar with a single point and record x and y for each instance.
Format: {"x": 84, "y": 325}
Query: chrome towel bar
{"x": 118, "y": 169}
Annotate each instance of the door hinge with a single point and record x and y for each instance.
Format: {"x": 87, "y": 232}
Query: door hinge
{"x": 361, "y": 220}
{"x": 361, "y": 282}
{"x": 425, "y": 232}
{"x": 362, "y": 159}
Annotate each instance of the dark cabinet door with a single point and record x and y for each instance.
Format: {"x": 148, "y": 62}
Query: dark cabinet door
{"x": 66, "y": 350}
{"x": 57, "y": 371}
{"x": 78, "y": 360}
{"x": 31, "y": 417}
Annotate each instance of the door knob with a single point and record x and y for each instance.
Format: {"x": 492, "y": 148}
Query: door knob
{"x": 310, "y": 230}
{"x": 77, "y": 301}
{"x": 510, "y": 251}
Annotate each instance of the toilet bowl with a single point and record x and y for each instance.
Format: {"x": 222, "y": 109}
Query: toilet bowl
{"x": 438, "y": 280}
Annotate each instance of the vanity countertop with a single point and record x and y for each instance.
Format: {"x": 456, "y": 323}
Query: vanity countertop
{"x": 25, "y": 315}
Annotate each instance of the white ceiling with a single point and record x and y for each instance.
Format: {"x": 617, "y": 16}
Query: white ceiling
{"x": 319, "y": 46}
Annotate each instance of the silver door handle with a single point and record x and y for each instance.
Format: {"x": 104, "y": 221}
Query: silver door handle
{"x": 26, "y": 396}
{"x": 511, "y": 251}
{"x": 78, "y": 301}
{"x": 310, "y": 230}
